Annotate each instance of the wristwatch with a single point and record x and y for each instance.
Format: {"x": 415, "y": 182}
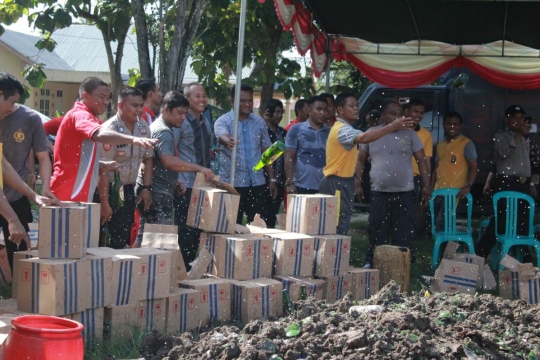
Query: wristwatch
{"x": 468, "y": 186}
{"x": 147, "y": 187}
{"x": 532, "y": 184}
{"x": 273, "y": 180}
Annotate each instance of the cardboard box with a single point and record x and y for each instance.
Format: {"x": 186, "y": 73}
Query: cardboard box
{"x": 213, "y": 208}
{"x": 183, "y": 311}
{"x": 314, "y": 287}
{"x": 100, "y": 282}
{"x": 338, "y": 286}
{"x": 121, "y": 321}
{"x": 509, "y": 285}
{"x": 365, "y": 283}
{"x": 255, "y": 299}
{"x": 62, "y": 232}
{"x": 239, "y": 257}
{"x": 5, "y": 271}
{"x": 52, "y": 287}
{"x": 94, "y": 218}
{"x": 394, "y": 263}
{"x": 18, "y": 255}
{"x": 259, "y": 231}
{"x": 450, "y": 253}
{"x": 165, "y": 237}
{"x": 93, "y": 322}
{"x": 215, "y": 298}
{"x": 152, "y": 314}
{"x": 154, "y": 272}
{"x": 455, "y": 276}
{"x": 293, "y": 254}
{"x": 332, "y": 253}
{"x": 200, "y": 265}
{"x": 312, "y": 214}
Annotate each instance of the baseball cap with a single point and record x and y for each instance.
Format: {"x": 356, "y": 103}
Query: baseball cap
{"x": 515, "y": 109}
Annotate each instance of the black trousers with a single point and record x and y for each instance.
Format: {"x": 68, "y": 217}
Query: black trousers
{"x": 23, "y": 210}
{"x": 500, "y": 183}
{"x": 188, "y": 237}
{"x": 275, "y": 204}
{"x": 255, "y": 200}
{"x": 122, "y": 218}
{"x": 304, "y": 191}
{"x": 390, "y": 220}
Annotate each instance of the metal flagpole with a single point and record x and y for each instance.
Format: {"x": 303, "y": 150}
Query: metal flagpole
{"x": 239, "y": 61}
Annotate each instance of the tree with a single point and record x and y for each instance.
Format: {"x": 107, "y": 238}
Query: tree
{"x": 112, "y": 17}
{"x": 345, "y": 77}
{"x": 215, "y": 53}
{"x": 177, "y": 25}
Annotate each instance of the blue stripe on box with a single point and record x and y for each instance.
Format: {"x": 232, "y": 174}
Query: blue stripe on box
{"x": 93, "y": 317}
{"x": 300, "y": 250}
{"x": 60, "y": 233}
{"x": 198, "y": 212}
{"x": 129, "y": 280}
{"x": 33, "y": 290}
{"x": 458, "y": 281}
{"x": 153, "y": 278}
{"x": 149, "y": 312}
{"x": 218, "y": 224}
{"x": 68, "y": 234}
{"x": 119, "y": 284}
{"x": 233, "y": 256}
{"x": 323, "y": 211}
{"x": 515, "y": 284}
{"x": 216, "y": 305}
{"x": 295, "y": 226}
{"x": 53, "y": 233}
{"x": 92, "y": 276}
{"x": 317, "y": 247}
{"x": 184, "y": 312}
{"x": 295, "y": 272}
{"x": 320, "y": 230}
{"x": 122, "y": 282}
{"x": 259, "y": 260}
{"x": 337, "y": 260}
{"x": 102, "y": 291}
{"x": 339, "y": 292}
{"x": 226, "y": 264}
{"x": 312, "y": 289}
{"x": 65, "y": 289}
{"x": 89, "y": 224}
{"x": 225, "y": 219}
{"x": 75, "y": 286}
{"x": 274, "y": 258}
{"x": 263, "y": 301}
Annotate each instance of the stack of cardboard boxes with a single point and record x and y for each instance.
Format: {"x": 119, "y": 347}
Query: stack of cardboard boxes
{"x": 258, "y": 265}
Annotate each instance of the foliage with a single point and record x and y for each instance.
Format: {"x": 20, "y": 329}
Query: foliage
{"x": 134, "y": 76}
{"x": 215, "y": 52}
{"x": 345, "y": 77}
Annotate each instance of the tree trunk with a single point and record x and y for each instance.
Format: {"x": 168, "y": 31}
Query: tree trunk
{"x": 139, "y": 17}
{"x": 115, "y": 64}
{"x": 186, "y": 25}
{"x": 267, "y": 89}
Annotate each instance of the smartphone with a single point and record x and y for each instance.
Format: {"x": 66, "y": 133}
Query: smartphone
{"x": 271, "y": 110}
{"x": 404, "y": 100}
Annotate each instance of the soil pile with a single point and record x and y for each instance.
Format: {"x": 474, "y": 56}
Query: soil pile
{"x": 441, "y": 326}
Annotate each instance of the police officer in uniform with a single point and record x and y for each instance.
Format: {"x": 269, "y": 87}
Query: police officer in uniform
{"x": 513, "y": 172}
{"x": 118, "y": 213}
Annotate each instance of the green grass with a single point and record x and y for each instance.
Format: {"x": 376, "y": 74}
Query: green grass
{"x": 117, "y": 347}
{"x": 5, "y": 292}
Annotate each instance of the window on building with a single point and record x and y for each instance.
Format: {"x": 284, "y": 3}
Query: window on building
{"x": 44, "y": 106}
{"x": 59, "y": 93}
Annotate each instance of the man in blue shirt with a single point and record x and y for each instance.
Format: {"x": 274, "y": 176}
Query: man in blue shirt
{"x": 252, "y": 141}
{"x": 305, "y": 156}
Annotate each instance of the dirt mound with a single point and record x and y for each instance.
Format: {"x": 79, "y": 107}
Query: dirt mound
{"x": 441, "y": 326}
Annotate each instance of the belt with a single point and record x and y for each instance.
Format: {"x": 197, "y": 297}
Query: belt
{"x": 520, "y": 179}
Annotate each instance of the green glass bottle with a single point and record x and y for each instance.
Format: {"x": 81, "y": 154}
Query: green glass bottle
{"x": 288, "y": 306}
{"x": 270, "y": 155}
{"x": 303, "y": 292}
{"x": 117, "y": 191}
{"x": 104, "y": 235}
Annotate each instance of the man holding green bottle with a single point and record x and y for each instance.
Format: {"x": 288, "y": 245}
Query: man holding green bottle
{"x": 117, "y": 188}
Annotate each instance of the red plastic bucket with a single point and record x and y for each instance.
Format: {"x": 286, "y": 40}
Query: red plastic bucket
{"x": 40, "y": 337}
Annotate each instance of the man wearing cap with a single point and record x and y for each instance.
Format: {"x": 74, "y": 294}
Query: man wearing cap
{"x": 129, "y": 157}
{"x": 513, "y": 172}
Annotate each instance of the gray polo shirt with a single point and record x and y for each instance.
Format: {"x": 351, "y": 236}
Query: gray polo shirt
{"x": 511, "y": 158}
{"x": 21, "y": 131}
{"x": 391, "y": 160}
{"x": 165, "y": 180}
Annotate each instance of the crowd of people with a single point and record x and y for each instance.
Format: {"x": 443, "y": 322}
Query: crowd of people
{"x": 155, "y": 145}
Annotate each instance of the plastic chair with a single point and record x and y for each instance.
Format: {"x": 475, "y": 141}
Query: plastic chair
{"x": 509, "y": 237}
{"x": 450, "y": 232}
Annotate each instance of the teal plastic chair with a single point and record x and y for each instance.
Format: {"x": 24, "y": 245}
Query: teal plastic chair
{"x": 450, "y": 232}
{"x": 509, "y": 237}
